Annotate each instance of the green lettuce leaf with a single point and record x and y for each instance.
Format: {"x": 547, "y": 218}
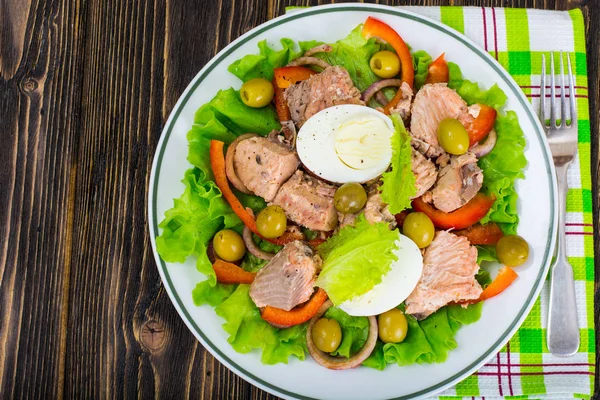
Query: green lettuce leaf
{"x": 470, "y": 91}
{"x": 501, "y": 167}
{"x": 439, "y": 334}
{"x": 414, "y": 349}
{"x": 354, "y": 53}
{"x": 421, "y": 61}
{"x": 248, "y": 331}
{"x": 506, "y": 162}
{"x": 213, "y": 295}
{"x": 356, "y": 258}
{"x": 262, "y": 65}
{"x": 459, "y": 316}
{"x": 399, "y": 184}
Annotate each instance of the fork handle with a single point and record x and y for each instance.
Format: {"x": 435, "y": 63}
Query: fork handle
{"x": 563, "y": 329}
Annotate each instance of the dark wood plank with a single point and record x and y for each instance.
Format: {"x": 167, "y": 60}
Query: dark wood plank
{"x": 126, "y": 338}
{"x": 41, "y": 65}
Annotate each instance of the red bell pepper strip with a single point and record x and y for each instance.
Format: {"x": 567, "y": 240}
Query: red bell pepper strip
{"x": 231, "y": 273}
{"x": 489, "y": 233}
{"x": 375, "y": 28}
{"x": 438, "y": 71}
{"x": 297, "y": 315}
{"x": 217, "y": 163}
{"x": 284, "y": 77}
{"x": 288, "y": 76}
{"x": 479, "y": 127}
{"x": 464, "y": 217}
{"x": 504, "y": 279}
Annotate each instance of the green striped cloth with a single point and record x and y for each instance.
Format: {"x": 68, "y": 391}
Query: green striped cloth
{"x": 524, "y": 369}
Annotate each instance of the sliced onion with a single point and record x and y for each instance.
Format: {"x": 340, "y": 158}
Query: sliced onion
{"x": 324, "y": 48}
{"x": 481, "y": 149}
{"x": 340, "y": 362}
{"x": 377, "y": 86}
{"x": 230, "y": 168}
{"x": 381, "y": 99}
{"x": 253, "y": 248}
{"x": 309, "y": 61}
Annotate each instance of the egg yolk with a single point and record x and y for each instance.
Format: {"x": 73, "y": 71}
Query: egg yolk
{"x": 362, "y": 143}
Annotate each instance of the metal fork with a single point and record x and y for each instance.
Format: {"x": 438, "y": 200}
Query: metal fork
{"x": 563, "y": 330}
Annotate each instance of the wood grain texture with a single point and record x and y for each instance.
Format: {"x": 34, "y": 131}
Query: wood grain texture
{"x": 85, "y": 89}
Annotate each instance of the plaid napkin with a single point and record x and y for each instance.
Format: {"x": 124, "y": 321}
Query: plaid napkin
{"x": 524, "y": 368}
{"x": 517, "y": 38}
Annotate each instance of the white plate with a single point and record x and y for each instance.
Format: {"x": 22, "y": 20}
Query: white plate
{"x": 477, "y": 342}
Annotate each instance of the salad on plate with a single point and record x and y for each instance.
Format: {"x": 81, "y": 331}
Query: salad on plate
{"x": 343, "y": 201}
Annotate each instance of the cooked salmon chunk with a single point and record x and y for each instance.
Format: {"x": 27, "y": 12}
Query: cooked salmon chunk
{"x": 378, "y": 211}
{"x": 433, "y": 103}
{"x": 263, "y": 166}
{"x": 458, "y": 183}
{"x": 449, "y": 268}
{"x": 288, "y": 279}
{"x": 308, "y": 201}
{"x": 424, "y": 171}
{"x": 329, "y": 88}
{"x": 404, "y": 105}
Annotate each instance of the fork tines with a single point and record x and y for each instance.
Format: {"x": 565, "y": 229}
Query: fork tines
{"x": 552, "y": 123}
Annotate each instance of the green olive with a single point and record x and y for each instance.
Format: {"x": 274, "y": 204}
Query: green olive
{"x": 419, "y": 228}
{"x": 271, "y": 222}
{"x": 229, "y": 245}
{"x": 257, "y": 92}
{"x": 327, "y": 334}
{"x": 392, "y": 326}
{"x": 453, "y": 136}
{"x": 385, "y": 64}
{"x": 512, "y": 250}
{"x": 350, "y": 198}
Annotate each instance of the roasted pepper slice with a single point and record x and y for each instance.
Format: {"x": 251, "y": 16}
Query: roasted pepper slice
{"x": 378, "y": 29}
{"x": 464, "y": 217}
{"x": 297, "y": 315}
{"x": 288, "y": 76}
{"x": 479, "y": 127}
{"x": 506, "y": 276}
{"x": 283, "y": 78}
{"x": 217, "y": 163}
{"x": 231, "y": 273}
{"x": 489, "y": 233}
{"x": 438, "y": 71}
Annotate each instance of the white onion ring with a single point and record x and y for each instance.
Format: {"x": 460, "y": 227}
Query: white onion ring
{"x": 253, "y": 248}
{"x": 339, "y": 363}
{"x": 230, "y": 168}
{"x": 309, "y": 61}
{"x": 324, "y": 48}
{"x": 481, "y": 149}
{"x": 377, "y": 86}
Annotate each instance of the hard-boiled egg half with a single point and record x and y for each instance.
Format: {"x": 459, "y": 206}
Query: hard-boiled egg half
{"x": 346, "y": 143}
{"x": 395, "y": 286}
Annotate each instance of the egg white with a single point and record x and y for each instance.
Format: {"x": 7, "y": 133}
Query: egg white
{"x": 316, "y": 144}
{"x": 396, "y": 286}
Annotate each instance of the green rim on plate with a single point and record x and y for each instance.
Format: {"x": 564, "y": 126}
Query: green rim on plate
{"x": 303, "y": 14}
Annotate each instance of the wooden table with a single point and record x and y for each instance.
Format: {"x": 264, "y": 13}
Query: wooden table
{"x": 85, "y": 89}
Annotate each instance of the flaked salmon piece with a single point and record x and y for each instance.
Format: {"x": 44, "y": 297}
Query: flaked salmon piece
{"x": 433, "y": 103}
{"x": 288, "y": 279}
{"x": 378, "y": 211}
{"x": 329, "y": 88}
{"x": 425, "y": 172}
{"x": 263, "y": 166}
{"x": 458, "y": 183}
{"x": 404, "y": 105}
{"x": 308, "y": 202}
{"x": 449, "y": 269}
